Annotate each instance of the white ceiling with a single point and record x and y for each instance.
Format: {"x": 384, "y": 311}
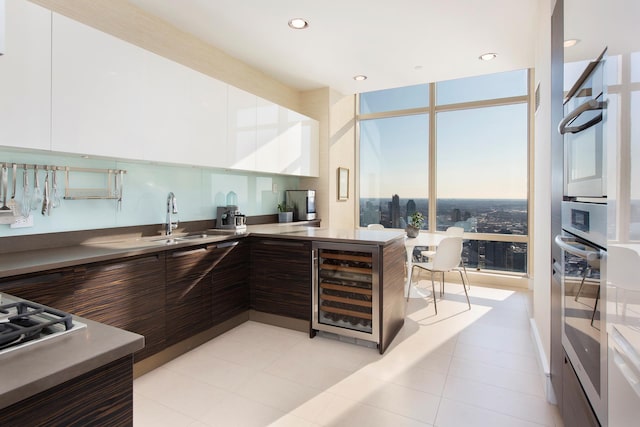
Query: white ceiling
{"x": 395, "y": 43}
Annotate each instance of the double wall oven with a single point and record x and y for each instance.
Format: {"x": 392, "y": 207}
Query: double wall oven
{"x": 583, "y": 240}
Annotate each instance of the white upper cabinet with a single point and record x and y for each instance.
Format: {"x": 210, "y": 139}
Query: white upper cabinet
{"x": 98, "y": 92}
{"x": 112, "y": 98}
{"x": 242, "y": 130}
{"x": 298, "y": 141}
{"x": 268, "y": 148}
{"x": 287, "y": 141}
{"x": 185, "y": 115}
{"x": 25, "y": 77}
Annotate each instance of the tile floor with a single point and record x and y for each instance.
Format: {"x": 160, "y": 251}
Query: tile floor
{"x": 459, "y": 368}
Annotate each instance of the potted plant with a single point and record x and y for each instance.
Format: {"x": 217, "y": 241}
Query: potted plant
{"x": 416, "y": 221}
{"x": 285, "y": 213}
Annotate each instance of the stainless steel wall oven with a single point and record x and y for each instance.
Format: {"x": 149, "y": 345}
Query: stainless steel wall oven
{"x": 583, "y": 271}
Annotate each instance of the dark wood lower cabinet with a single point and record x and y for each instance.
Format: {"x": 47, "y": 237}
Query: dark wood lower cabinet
{"x": 128, "y": 294}
{"x": 230, "y": 281}
{"x": 188, "y": 291}
{"x": 281, "y": 277}
{"x": 54, "y": 288}
{"x": 102, "y": 397}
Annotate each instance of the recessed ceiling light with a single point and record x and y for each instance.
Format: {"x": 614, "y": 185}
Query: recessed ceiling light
{"x": 298, "y": 23}
{"x": 571, "y": 42}
{"x": 488, "y": 56}
{"x": 359, "y": 77}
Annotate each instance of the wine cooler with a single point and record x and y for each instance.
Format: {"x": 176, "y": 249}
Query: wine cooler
{"x": 345, "y": 290}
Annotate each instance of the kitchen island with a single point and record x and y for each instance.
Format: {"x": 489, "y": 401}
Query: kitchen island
{"x": 86, "y": 374}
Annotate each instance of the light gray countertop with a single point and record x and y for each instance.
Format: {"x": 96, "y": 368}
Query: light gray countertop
{"x": 33, "y": 261}
{"x": 42, "y": 365}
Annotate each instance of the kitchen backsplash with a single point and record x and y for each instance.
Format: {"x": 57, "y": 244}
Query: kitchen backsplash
{"x": 146, "y": 186}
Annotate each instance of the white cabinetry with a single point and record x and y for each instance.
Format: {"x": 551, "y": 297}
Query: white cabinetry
{"x": 25, "y": 77}
{"x": 112, "y": 98}
{"x": 266, "y": 137}
{"x": 185, "y": 115}
{"x": 98, "y": 92}
{"x": 242, "y": 130}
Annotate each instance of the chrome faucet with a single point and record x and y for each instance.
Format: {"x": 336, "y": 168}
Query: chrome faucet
{"x": 172, "y": 208}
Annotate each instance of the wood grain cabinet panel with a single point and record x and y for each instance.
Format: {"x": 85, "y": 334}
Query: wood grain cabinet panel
{"x": 102, "y": 397}
{"x": 230, "y": 292}
{"x": 54, "y": 288}
{"x": 128, "y": 294}
{"x": 281, "y": 277}
{"x": 188, "y": 291}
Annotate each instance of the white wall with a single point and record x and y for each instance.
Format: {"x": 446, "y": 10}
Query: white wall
{"x": 542, "y": 183}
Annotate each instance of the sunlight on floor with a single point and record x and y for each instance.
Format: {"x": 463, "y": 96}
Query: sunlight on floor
{"x": 457, "y": 368}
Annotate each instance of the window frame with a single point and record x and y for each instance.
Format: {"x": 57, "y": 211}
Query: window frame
{"x": 432, "y": 110}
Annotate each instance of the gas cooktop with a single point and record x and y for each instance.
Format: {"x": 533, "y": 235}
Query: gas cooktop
{"x": 23, "y": 323}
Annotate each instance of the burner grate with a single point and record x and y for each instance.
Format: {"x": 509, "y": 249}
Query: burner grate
{"x": 24, "y": 321}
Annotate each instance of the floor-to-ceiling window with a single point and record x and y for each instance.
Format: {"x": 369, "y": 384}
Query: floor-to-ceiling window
{"x": 461, "y": 160}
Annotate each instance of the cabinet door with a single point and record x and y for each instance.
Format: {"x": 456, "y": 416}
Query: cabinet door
{"x": 25, "y": 77}
{"x": 281, "y": 277}
{"x": 242, "y": 129}
{"x": 52, "y": 288}
{"x": 128, "y": 294}
{"x": 230, "y": 294}
{"x": 188, "y": 291}
{"x": 185, "y": 114}
{"x": 310, "y": 147}
{"x": 98, "y": 92}
{"x": 268, "y": 145}
{"x": 113, "y": 98}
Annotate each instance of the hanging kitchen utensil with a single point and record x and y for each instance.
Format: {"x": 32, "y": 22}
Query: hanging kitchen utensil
{"x": 26, "y": 193}
{"x": 36, "y": 199}
{"x": 46, "y": 201}
{"x": 120, "y": 187}
{"x": 55, "y": 197}
{"x": 4, "y": 178}
{"x": 12, "y": 203}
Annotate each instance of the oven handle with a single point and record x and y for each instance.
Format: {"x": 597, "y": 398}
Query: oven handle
{"x": 565, "y": 244}
{"x": 590, "y": 105}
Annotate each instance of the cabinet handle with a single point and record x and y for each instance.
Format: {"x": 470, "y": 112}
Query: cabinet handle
{"x": 190, "y": 252}
{"x": 226, "y": 244}
{"x": 282, "y": 243}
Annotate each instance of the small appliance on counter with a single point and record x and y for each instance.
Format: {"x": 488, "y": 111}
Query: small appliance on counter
{"x": 229, "y": 217}
{"x": 303, "y": 203}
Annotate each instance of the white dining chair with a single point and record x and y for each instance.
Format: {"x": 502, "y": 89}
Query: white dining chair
{"x": 375, "y": 227}
{"x": 447, "y": 258}
{"x": 453, "y": 232}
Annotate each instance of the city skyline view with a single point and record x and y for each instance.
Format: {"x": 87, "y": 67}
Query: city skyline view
{"x": 499, "y": 216}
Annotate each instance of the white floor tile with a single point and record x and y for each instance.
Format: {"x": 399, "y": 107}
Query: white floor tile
{"x": 178, "y": 392}
{"x": 456, "y": 414}
{"x": 497, "y": 376}
{"x": 234, "y": 410}
{"x": 149, "y": 413}
{"x": 497, "y": 399}
{"x": 457, "y": 368}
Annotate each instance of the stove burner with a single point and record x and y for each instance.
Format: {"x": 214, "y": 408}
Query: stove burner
{"x": 25, "y": 321}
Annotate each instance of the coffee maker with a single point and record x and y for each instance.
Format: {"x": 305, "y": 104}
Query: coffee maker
{"x": 229, "y": 217}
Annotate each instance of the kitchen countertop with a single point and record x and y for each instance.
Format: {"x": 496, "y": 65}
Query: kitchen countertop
{"x": 33, "y": 261}
{"x": 40, "y": 366}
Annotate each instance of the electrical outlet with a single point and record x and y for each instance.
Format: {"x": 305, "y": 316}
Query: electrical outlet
{"x": 22, "y": 222}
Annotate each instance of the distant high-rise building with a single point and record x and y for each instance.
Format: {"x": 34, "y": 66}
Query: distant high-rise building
{"x": 456, "y": 215}
{"x": 395, "y": 211}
